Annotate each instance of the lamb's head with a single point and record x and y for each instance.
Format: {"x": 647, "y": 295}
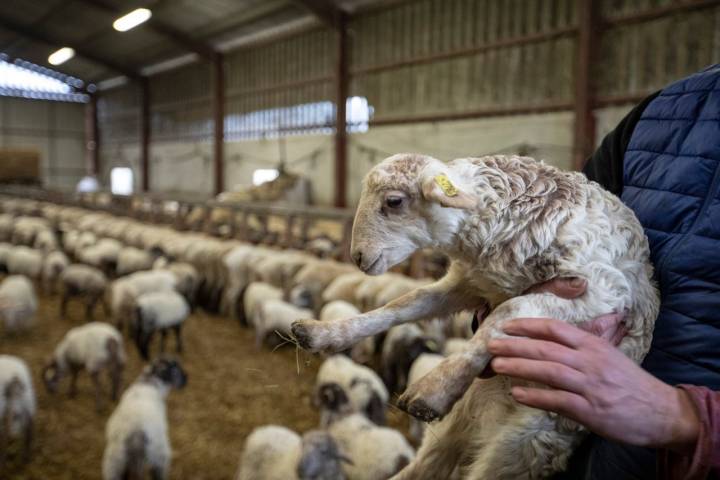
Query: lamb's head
{"x": 408, "y": 202}
{"x": 167, "y": 371}
{"x": 321, "y": 457}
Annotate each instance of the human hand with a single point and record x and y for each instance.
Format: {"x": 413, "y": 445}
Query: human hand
{"x": 593, "y": 383}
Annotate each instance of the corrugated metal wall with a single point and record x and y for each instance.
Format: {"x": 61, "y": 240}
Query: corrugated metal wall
{"x": 119, "y": 115}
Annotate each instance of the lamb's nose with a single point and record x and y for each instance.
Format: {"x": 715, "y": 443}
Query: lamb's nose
{"x": 357, "y": 258}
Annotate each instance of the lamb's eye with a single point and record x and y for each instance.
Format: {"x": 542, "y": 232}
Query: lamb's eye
{"x": 394, "y": 201}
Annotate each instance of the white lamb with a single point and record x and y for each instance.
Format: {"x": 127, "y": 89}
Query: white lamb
{"x": 18, "y": 303}
{"x": 276, "y": 316}
{"x": 131, "y": 259}
{"x": 53, "y": 266}
{"x": 25, "y": 261}
{"x": 343, "y": 387}
{"x": 254, "y": 294}
{"x": 86, "y": 282}
{"x": 94, "y": 347}
{"x": 377, "y": 453}
{"x": 136, "y": 435}
{"x": 277, "y": 453}
{"x": 343, "y": 287}
{"x": 124, "y": 292}
{"x": 507, "y": 223}
{"x": 159, "y": 312}
{"x": 17, "y": 404}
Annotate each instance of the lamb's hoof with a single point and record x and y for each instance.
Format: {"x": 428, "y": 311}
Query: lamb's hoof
{"x": 419, "y": 409}
{"x": 302, "y": 331}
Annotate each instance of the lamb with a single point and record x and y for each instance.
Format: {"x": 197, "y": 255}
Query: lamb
{"x": 94, "y": 347}
{"x": 17, "y": 404}
{"x": 25, "y": 261}
{"x": 277, "y": 453}
{"x": 159, "y": 311}
{"x": 311, "y": 280}
{"x": 83, "y": 281}
{"x": 343, "y": 287}
{"x": 344, "y": 387}
{"x": 131, "y": 260}
{"x": 18, "y": 303}
{"x": 275, "y": 316}
{"x": 507, "y": 223}
{"x": 136, "y": 435}
{"x": 254, "y": 294}
{"x": 377, "y": 453}
{"x": 53, "y": 266}
{"x": 187, "y": 278}
{"x": 46, "y": 241}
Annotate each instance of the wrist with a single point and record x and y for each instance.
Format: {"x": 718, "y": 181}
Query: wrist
{"x": 684, "y": 424}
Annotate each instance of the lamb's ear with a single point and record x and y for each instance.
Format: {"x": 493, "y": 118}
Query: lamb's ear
{"x": 439, "y": 188}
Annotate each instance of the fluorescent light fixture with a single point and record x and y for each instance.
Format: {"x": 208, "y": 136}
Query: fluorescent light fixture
{"x": 61, "y": 56}
{"x": 132, "y": 19}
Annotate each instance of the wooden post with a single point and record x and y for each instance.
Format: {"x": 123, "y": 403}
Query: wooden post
{"x": 219, "y": 123}
{"x": 584, "y": 134}
{"x": 145, "y": 133}
{"x": 342, "y": 81}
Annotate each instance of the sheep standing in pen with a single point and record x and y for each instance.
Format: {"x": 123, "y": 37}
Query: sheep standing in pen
{"x": 343, "y": 387}
{"x": 159, "y": 312}
{"x": 136, "y": 435}
{"x": 17, "y": 404}
{"x": 254, "y": 295}
{"x": 85, "y": 282}
{"x": 507, "y": 223}
{"x": 18, "y": 303}
{"x": 277, "y": 453}
{"x": 376, "y": 453}
{"x": 124, "y": 292}
{"x": 53, "y": 266}
{"x": 275, "y": 316}
{"x": 25, "y": 261}
{"x": 94, "y": 347}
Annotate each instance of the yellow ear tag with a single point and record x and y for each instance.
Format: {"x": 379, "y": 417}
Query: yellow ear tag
{"x": 446, "y": 185}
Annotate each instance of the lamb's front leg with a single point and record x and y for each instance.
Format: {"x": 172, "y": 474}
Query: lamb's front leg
{"x": 443, "y": 297}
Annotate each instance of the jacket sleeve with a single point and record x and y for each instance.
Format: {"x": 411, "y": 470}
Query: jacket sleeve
{"x": 605, "y": 166}
{"x": 705, "y": 458}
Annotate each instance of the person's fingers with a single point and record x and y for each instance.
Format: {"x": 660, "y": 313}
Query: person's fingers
{"x": 546, "y": 329}
{"x": 567, "y": 404}
{"x": 534, "y": 350}
{"x": 609, "y": 327}
{"x": 548, "y": 373}
{"x": 564, "y": 287}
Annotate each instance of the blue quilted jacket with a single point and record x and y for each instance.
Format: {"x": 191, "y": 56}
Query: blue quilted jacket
{"x": 671, "y": 179}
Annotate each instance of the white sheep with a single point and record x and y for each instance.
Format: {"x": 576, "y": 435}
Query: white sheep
{"x": 254, "y": 294}
{"x": 46, "y": 241}
{"x": 507, "y": 223}
{"x": 25, "y": 261}
{"x": 276, "y": 316}
{"x": 344, "y": 287}
{"x": 94, "y": 347}
{"x": 86, "y": 282}
{"x": 53, "y": 265}
{"x": 18, "y": 303}
{"x": 136, "y": 435}
{"x": 343, "y": 387}
{"x": 17, "y": 404}
{"x": 376, "y": 453}
{"x": 159, "y": 312}
{"x": 277, "y": 453}
{"x": 124, "y": 292}
{"x": 131, "y": 259}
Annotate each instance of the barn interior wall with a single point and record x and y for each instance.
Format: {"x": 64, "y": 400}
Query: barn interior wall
{"x": 414, "y": 78}
{"x": 55, "y": 129}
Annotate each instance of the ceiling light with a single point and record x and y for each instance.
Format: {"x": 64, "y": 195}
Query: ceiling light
{"x": 132, "y": 19}
{"x": 61, "y": 56}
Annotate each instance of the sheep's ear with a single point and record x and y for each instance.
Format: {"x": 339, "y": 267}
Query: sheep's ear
{"x": 439, "y": 188}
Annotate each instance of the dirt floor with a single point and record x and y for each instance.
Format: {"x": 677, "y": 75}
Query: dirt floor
{"x": 232, "y": 388}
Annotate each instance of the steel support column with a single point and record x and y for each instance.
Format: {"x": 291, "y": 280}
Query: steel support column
{"x": 145, "y": 133}
{"x": 219, "y": 123}
{"x": 341, "y": 139}
{"x": 584, "y": 134}
{"x": 92, "y": 137}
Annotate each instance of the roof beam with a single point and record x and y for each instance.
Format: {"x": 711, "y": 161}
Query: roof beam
{"x": 176, "y": 36}
{"x": 44, "y": 37}
{"x": 326, "y": 11}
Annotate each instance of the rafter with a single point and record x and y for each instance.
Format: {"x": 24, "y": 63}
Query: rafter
{"x": 326, "y": 11}
{"x": 44, "y": 37}
{"x": 176, "y": 36}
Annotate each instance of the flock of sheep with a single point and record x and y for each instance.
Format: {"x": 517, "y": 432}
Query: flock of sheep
{"x": 148, "y": 279}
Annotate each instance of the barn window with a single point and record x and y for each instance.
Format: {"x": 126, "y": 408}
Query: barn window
{"x": 121, "y": 181}
{"x": 262, "y": 175}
